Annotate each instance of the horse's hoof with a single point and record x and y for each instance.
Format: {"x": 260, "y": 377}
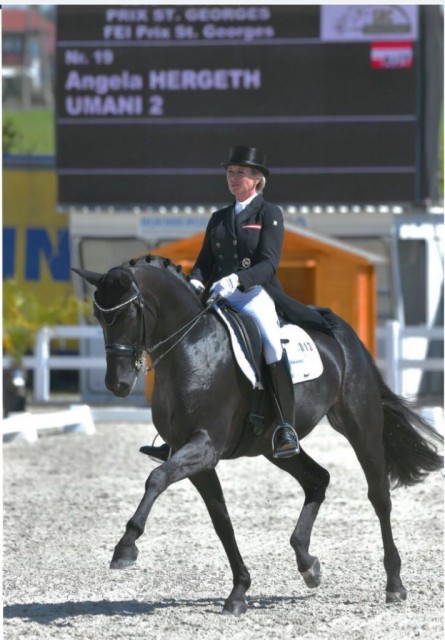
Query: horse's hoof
{"x": 124, "y": 557}
{"x": 121, "y": 563}
{"x": 395, "y": 596}
{"x": 234, "y": 608}
{"x": 312, "y": 576}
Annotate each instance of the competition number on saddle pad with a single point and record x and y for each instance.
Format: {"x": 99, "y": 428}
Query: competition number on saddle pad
{"x": 303, "y": 355}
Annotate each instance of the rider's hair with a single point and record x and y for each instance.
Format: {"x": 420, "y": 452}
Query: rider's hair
{"x": 262, "y": 183}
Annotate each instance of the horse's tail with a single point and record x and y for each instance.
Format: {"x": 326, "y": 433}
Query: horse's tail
{"x": 409, "y": 440}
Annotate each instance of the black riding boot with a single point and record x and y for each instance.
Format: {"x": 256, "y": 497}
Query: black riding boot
{"x": 160, "y": 454}
{"x": 284, "y": 440}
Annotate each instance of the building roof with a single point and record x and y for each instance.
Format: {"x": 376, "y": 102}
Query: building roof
{"x": 22, "y": 20}
{"x": 297, "y": 241}
{"x": 334, "y": 244}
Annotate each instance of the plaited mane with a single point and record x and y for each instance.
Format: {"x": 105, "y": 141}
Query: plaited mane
{"x": 160, "y": 263}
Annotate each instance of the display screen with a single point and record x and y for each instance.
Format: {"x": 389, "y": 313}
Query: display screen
{"x": 150, "y": 99}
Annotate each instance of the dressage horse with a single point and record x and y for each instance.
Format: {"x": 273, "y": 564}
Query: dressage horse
{"x": 201, "y": 399}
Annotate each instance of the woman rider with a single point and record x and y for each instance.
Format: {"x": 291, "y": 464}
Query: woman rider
{"x": 238, "y": 260}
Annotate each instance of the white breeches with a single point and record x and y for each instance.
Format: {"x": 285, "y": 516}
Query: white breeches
{"x": 257, "y": 303}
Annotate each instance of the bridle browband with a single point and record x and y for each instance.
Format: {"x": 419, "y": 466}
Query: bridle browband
{"x": 136, "y": 352}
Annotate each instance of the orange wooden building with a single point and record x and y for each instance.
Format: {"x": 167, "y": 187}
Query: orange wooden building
{"x": 316, "y": 270}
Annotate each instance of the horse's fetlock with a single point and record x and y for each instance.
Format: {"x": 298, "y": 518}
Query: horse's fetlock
{"x": 243, "y": 581}
{"x": 134, "y": 526}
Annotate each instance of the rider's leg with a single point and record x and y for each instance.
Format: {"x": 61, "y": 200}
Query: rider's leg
{"x": 284, "y": 441}
{"x": 258, "y": 304}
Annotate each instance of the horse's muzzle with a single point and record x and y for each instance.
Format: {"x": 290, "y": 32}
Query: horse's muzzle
{"x": 119, "y": 388}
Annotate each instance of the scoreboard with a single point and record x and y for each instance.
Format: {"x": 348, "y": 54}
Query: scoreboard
{"x": 149, "y": 99}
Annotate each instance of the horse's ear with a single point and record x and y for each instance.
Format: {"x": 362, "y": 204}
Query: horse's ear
{"x": 90, "y": 276}
{"x": 125, "y": 279}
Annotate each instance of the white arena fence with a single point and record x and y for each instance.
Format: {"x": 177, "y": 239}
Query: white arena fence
{"x": 406, "y": 355}
{"x": 405, "y": 351}
{"x": 42, "y": 361}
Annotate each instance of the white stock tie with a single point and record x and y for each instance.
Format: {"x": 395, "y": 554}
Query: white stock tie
{"x": 238, "y": 208}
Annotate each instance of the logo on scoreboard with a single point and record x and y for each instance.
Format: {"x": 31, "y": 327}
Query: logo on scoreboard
{"x": 361, "y": 23}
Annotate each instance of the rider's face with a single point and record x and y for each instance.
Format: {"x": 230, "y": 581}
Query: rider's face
{"x": 242, "y": 181}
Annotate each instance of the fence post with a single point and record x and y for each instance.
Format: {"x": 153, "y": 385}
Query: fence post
{"x": 41, "y": 368}
{"x": 393, "y": 355}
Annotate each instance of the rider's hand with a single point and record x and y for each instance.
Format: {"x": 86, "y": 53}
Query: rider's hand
{"x": 197, "y": 285}
{"x": 224, "y": 287}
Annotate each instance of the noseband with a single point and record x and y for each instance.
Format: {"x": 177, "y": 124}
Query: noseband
{"x": 115, "y": 348}
{"x": 136, "y": 352}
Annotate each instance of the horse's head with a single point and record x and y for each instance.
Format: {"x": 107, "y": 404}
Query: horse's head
{"x": 119, "y": 309}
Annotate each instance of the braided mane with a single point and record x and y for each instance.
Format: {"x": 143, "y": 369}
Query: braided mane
{"x": 160, "y": 263}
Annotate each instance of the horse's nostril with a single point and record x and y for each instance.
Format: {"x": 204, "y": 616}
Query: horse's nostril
{"x": 119, "y": 389}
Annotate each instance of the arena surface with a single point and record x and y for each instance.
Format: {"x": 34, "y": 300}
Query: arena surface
{"x": 67, "y": 499}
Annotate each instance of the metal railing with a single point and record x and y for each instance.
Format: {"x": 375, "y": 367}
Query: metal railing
{"x": 392, "y": 364}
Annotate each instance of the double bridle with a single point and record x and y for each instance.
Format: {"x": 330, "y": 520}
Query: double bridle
{"x": 136, "y": 352}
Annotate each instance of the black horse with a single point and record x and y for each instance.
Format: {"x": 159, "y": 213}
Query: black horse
{"x": 201, "y": 400}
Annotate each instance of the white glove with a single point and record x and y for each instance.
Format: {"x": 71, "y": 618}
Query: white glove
{"x": 224, "y": 287}
{"x": 197, "y": 284}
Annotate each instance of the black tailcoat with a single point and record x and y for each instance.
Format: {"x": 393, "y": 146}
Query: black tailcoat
{"x": 249, "y": 244}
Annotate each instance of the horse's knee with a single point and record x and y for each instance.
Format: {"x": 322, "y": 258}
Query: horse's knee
{"x": 195, "y": 456}
{"x": 157, "y": 481}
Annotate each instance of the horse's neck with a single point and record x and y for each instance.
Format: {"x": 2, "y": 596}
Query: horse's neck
{"x": 186, "y": 341}
{"x": 176, "y": 305}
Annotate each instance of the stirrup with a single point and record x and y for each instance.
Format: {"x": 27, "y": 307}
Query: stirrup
{"x": 285, "y": 453}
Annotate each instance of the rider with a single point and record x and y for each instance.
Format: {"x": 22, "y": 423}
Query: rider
{"x": 238, "y": 261}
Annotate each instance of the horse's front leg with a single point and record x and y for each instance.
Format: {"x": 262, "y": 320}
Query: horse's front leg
{"x": 195, "y": 456}
{"x": 210, "y": 489}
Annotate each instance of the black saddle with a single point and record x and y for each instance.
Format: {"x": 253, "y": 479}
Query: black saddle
{"x": 249, "y": 336}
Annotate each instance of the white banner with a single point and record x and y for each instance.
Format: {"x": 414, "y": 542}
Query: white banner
{"x": 362, "y": 23}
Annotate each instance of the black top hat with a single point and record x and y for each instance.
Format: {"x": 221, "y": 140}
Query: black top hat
{"x": 247, "y": 157}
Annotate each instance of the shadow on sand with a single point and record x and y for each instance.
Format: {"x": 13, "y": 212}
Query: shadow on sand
{"x": 48, "y": 613}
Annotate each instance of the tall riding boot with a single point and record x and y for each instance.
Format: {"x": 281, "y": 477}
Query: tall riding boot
{"x": 159, "y": 454}
{"x": 284, "y": 440}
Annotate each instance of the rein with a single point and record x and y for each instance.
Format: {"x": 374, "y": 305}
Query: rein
{"x": 117, "y": 349}
{"x": 187, "y": 327}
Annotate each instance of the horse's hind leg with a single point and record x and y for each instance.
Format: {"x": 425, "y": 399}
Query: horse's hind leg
{"x": 314, "y": 480}
{"x": 362, "y": 424}
{"x": 207, "y": 483}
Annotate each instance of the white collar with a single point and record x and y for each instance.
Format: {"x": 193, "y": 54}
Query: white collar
{"x": 240, "y": 206}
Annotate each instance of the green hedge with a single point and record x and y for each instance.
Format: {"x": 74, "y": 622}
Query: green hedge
{"x": 29, "y": 131}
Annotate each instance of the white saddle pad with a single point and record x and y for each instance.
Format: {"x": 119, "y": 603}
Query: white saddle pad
{"x": 303, "y": 355}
